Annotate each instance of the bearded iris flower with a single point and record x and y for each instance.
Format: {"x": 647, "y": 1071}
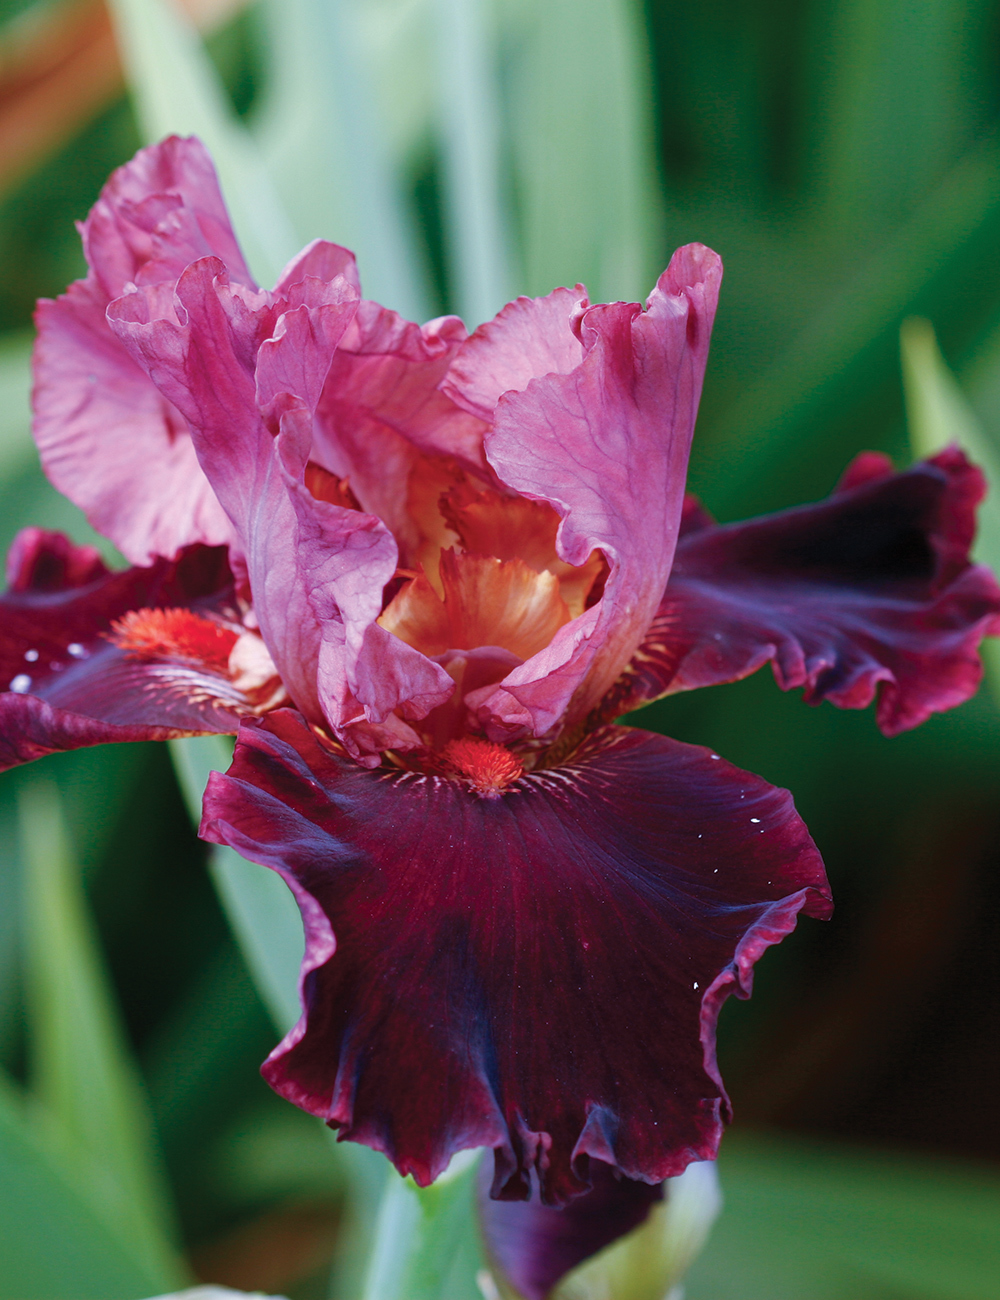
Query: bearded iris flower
{"x": 421, "y": 573}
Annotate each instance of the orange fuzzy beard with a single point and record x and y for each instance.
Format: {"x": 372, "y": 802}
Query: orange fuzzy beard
{"x": 173, "y": 634}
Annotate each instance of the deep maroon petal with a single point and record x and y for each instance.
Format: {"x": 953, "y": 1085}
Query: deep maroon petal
{"x": 534, "y": 1245}
{"x": 63, "y": 684}
{"x": 871, "y": 591}
{"x": 540, "y": 973}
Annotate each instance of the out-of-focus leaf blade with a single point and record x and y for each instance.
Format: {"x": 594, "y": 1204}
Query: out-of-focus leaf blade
{"x": 325, "y": 145}
{"x": 469, "y": 117}
{"x": 53, "y": 1245}
{"x": 938, "y": 413}
{"x": 177, "y": 91}
{"x": 258, "y": 904}
{"x": 578, "y": 101}
{"x": 16, "y": 447}
{"x": 421, "y": 1235}
{"x": 90, "y": 1096}
{"x": 805, "y": 1221}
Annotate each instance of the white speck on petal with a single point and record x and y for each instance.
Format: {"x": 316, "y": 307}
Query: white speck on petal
{"x": 713, "y": 755}
{"x": 755, "y": 820}
{"x": 21, "y": 684}
{"x": 696, "y": 984}
{"x": 76, "y": 650}
{"x": 31, "y": 655}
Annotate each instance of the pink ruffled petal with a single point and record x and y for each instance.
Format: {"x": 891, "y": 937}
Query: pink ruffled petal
{"x": 484, "y": 971}
{"x": 529, "y": 338}
{"x": 108, "y": 440}
{"x": 607, "y": 446}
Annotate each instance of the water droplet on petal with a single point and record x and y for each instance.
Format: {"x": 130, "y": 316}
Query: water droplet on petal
{"x": 31, "y": 655}
{"x": 21, "y": 684}
{"x": 755, "y": 820}
{"x": 76, "y": 650}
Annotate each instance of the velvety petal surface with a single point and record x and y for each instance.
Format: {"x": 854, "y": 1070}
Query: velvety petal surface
{"x": 869, "y": 593}
{"x": 108, "y": 440}
{"x": 63, "y": 684}
{"x": 534, "y": 1245}
{"x": 607, "y": 446}
{"x": 539, "y": 972}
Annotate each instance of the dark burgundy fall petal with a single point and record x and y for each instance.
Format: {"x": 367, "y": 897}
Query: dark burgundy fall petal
{"x": 871, "y": 591}
{"x": 534, "y": 1245}
{"x": 539, "y": 973}
{"x": 63, "y": 685}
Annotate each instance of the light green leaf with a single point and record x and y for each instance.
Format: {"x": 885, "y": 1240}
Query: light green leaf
{"x": 578, "y": 100}
{"x": 91, "y": 1101}
{"x": 258, "y": 904}
{"x": 16, "y": 446}
{"x": 469, "y": 122}
{"x": 177, "y": 91}
{"x": 53, "y": 1243}
{"x": 325, "y": 143}
{"x": 939, "y": 413}
{"x": 808, "y": 1221}
{"x": 420, "y": 1232}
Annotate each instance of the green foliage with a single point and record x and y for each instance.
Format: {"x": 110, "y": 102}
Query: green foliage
{"x": 804, "y": 1221}
{"x": 90, "y": 1101}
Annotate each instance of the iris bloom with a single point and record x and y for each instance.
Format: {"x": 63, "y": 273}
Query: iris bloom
{"x": 421, "y": 573}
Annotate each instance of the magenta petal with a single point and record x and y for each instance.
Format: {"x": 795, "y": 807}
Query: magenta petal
{"x": 108, "y": 440}
{"x": 607, "y": 446}
{"x": 486, "y": 972}
{"x": 534, "y": 1245}
{"x": 64, "y": 685}
{"x": 869, "y": 592}
{"x": 529, "y": 338}
{"x": 382, "y": 406}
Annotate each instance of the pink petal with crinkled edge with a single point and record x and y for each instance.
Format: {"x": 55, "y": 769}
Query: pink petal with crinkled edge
{"x": 607, "y": 446}
{"x": 63, "y": 684}
{"x": 529, "y": 338}
{"x": 869, "y": 593}
{"x": 382, "y": 406}
{"x": 108, "y": 440}
{"x": 157, "y": 215}
{"x": 244, "y": 368}
{"x": 499, "y": 962}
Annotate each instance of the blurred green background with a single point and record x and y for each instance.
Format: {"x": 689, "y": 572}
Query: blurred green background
{"x": 843, "y": 157}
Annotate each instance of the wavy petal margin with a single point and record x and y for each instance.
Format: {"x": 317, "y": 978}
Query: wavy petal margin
{"x": 869, "y": 593}
{"x": 539, "y": 973}
{"x": 63, "y": 685}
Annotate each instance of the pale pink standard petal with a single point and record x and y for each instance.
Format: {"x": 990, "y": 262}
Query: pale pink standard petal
{"x": 111, "y": 442}
{"x": 244, "y": 367}
{"x": 529, "y": 338}
{"x": 607, "y": 446}
{"x": 108, "y": 440}
{"x": 382, "y": 406}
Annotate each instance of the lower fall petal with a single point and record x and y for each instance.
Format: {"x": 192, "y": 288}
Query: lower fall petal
{"x": 539, "y": 972}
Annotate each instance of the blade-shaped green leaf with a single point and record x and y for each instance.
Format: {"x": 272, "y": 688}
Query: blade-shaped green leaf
{"x": 177, "y": 91}
{"x": 325, "y": 143}
{"x": 53, "y": 1244}
{"x": 939, "y": 413}
{"x": 808, "y": 1221}
{"x": 258, "y": 904}
{"x": 469, "y": 117}
{"x": 578, "y": 100}
{"x": 91, "y": 1101}
{"x": 16, "y": 447}
{"x": 423, "y": 1234}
